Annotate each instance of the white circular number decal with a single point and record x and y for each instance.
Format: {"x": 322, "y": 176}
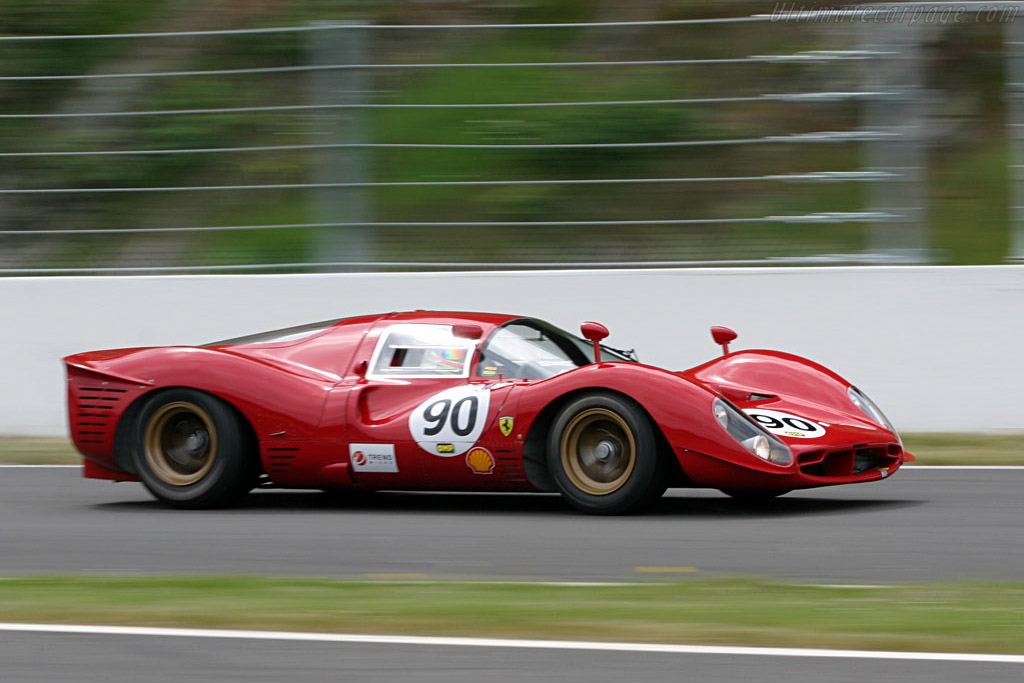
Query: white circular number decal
{"x": 454, "y": 418}
{"x": 785, "y": 424}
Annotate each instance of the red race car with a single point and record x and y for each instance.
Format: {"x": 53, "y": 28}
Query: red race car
{"x": 467, "y": 402}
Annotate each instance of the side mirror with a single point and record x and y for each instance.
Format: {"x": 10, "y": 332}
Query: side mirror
{"x": 594, "y": 332}
{"x": 360, "y": 369}
{"x": 722, "y": 337}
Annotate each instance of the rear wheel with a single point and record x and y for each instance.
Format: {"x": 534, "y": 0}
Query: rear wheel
{"x": 193, "y": 450}
{"x": 603, "y": 455}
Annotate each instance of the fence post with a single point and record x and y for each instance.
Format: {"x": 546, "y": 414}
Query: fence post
{"x": 905, "y": 239}
{"x": 1013, "y": 48}
{"x": 346, "y": 45}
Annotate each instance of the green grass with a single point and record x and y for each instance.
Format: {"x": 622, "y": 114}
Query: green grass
{"x": 966, "y": 449}
{"x": 930, "y": 449}
{"x": 28, "y": 450}
{"x": 954, "y": 617}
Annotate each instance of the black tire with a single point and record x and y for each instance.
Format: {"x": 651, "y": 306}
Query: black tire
{"x": 754, "y": 495}
{"x": 192, "y": 450}
{"x": 603, "y": 455}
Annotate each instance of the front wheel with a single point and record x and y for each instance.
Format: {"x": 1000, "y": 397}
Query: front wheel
{"x": 193, "y": 450}
{"x": 603, "y": 455}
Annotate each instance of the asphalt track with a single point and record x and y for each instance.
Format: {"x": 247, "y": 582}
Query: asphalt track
{"x": 920, "y": 525}
{"x": 58, "y": 658}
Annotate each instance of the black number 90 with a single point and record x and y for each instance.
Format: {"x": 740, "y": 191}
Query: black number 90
{"x": 437, "y": 415}
{"x": 792, "y": 422}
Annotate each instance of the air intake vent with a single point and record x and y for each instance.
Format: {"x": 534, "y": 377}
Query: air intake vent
{"x": 848, "y": 463}
{"x": 510, "y": 467}
{"x": 95, "y": 407}
{"x": 280, "y": 458}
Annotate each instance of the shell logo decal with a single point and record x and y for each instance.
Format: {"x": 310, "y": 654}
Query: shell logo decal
{"x": 480, "y": 461}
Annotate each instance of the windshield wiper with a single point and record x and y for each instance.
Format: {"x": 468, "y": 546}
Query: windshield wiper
{"x": 629, "y": 354}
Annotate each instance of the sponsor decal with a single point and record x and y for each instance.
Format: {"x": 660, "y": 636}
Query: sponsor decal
{"x": 490, "y": 371}
{"x": 506, "y": 425}
{"x": 480, "y": 461}
{"x": 445, "y": 448}
{"x": 884, "y": 472}
{"x": 454, "y": 417}
{"x": 785, "y": 424}
{"x": 373, "y": 457}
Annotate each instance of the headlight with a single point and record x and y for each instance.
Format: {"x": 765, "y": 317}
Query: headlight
{"x": 749, "y": 435}
{"x": 868, "y": 407}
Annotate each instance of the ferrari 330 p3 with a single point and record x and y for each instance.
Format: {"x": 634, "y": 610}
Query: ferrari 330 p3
{"x": 467, "y": 402}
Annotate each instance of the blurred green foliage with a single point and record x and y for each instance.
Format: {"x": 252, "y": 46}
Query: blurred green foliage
{"x": 969, "y": 218}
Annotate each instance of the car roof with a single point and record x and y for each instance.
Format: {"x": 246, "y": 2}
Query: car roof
{"x": 489, "y": 320}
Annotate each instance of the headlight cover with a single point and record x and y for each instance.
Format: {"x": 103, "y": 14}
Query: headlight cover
{"x": 749, "y": 435}
{"x": 868, "y": 407}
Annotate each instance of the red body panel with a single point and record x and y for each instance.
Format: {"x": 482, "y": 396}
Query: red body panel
{"x": 322, "y": 423}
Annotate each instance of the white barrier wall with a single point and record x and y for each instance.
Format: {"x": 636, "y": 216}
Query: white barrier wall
{"x": 939, "y": 348}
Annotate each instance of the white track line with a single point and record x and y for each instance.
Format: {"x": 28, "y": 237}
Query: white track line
{"x": 39, "y": 467}
{"x": 511, "y": 643}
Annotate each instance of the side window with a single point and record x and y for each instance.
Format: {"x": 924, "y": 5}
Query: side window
{"x": 421, "y": 350}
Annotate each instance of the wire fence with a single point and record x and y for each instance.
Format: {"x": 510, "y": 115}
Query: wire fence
{"x": 465, "y": 157}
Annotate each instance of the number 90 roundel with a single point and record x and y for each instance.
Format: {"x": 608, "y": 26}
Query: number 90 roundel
{"x": 456, "y": 416}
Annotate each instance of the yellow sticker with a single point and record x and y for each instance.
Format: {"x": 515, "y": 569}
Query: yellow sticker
{"x": 506, "y": 425}
{"x": 490, "y": 371}
{"x": 445, "y": 448}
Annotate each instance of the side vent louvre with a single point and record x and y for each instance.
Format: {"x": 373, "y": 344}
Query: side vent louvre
{"x": 510, "y": 467}
{"x": 93, "y": 422}
{"x": 280, "y": 458}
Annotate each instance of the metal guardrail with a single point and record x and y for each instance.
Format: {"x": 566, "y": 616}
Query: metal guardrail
{"x": 817, "y": 176}
{"x": 812, "y": 138}
{"x": 767, "y": 97}
{"x": 759, "y": 59}
{"x": 837, "y": 217}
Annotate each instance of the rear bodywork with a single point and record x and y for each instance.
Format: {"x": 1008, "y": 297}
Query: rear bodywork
{"x": 320, "y": 422}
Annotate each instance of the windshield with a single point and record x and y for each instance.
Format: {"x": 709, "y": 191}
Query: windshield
{"x": 531, "y": 349}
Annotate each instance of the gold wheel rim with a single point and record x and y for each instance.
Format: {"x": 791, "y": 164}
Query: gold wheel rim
{"x": 598, "y": 451}
{"x": 180, "y": 443}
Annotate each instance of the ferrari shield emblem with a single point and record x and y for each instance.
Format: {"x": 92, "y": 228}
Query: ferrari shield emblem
{"x": 506, "y": 424}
